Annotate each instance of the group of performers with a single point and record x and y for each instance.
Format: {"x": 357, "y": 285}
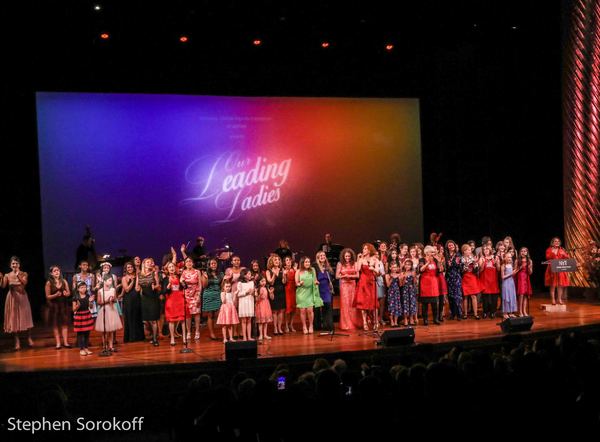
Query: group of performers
{"x": 383, "y": 281}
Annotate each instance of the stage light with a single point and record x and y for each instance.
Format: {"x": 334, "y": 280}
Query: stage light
{"x": 105, "y": 36}
{"x": 257, "y": 42}
{"x": 97, "y": 7}
{"x": 325, "y": 44}
{"x": 389, "y": 47}
{"x": 514, "y": 28}
{"x": 183, "y": 39}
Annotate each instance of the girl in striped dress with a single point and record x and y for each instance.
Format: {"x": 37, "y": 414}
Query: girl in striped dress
{"x": 83, "y": 323}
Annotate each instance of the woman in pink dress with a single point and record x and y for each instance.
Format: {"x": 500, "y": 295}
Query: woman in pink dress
{"x": 347, "y": 274}
{"x": 190, "y": 281}
{"x": 174, "y": 311}
{"x": 524, "y": 266}
{"x": 557, "y": 281}
{"x": 17, "y": 311}
{"x": 365, "y": 300}
{"x": 290, "y": 293}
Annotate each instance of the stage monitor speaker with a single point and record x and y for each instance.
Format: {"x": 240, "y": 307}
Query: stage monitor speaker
{"x": 402, "y": 336}
{"x": 513, "y": 325}
{"x": 240, "y": 350}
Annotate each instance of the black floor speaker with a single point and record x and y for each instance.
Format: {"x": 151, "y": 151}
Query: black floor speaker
{"x": 240, "y": 350}
{"x": 513, "y": 325}
{"x": 402, "y": 336}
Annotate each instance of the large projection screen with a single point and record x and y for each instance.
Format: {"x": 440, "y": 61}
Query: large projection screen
{"x": 150, "y": 171}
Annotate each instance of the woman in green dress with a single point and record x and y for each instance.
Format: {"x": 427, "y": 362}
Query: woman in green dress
{"x": 307, "y": 294}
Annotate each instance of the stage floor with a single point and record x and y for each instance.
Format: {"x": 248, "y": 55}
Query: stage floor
{"x": 45, "y": 357}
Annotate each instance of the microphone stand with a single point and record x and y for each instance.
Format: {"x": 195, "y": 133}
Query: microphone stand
{"x": 185, "y": 348}
{"x": 105, "y": 351}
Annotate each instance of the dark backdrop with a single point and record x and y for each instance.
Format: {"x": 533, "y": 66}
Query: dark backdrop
{"x": 488, "y": 75}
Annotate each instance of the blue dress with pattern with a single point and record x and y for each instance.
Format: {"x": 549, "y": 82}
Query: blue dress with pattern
{"x": 454, "y": 282}
{"x": 409, "y": 296}
{"x": 395, "y": 298}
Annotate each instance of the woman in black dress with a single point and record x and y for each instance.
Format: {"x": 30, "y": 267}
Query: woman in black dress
{"x": 132, "y": 306}
{"x": 147, "y": 284}
{"x": 276, "y": 279}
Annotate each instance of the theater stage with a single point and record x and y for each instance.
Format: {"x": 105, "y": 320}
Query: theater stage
{"x": 44, "y": 357}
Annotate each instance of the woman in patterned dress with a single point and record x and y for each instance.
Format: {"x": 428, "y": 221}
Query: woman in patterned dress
{"x": 211, "y": 295}
{"x": 454, "y": 279}
{"x": 17, "y": 310}
{"x": 191, "y": 282}
{"x": 408, "y": 293}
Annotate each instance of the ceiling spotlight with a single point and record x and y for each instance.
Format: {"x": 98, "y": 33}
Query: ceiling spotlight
{"x": 105, "y": 36}
{"x": 97, "y": 7}
{"x": 514, "y": 28}
{"x": 389, "y": 47}
{"x": 325, "y": 44}
{"x": 257, "y": 42}
{"x": 183, "y": 39}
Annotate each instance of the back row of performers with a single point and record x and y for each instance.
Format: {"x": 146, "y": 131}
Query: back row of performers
{"x": 373, "y": 285}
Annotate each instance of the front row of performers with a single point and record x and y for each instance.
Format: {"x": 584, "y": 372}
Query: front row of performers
{"x": 373, "y": 286}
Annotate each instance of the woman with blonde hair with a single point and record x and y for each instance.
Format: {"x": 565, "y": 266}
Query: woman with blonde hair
{"x": 276, "y": 278}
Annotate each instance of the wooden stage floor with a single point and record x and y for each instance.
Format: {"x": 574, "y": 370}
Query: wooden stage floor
{"x": 45, "y": 357}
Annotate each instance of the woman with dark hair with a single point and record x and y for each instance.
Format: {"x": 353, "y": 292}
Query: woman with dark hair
{"x": 174, "y": 304}
{"x": 191, "y": 283}
{"x": 347, "y": 274}
{"x": 454, "y": 279}
{"x": 211, "y": 294}
{"x": 324, "y": 315}
{"x": 290, "y": 293}
{"x": 89, "y": 278}
{"x": 557, "y": 281}
{"x": 17, "y": 310}
{"x": 132, "y": 306}
{"x": 59, "y": 308}
{"x": 367, "y": 265}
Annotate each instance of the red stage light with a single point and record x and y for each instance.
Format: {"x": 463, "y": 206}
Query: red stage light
{"x": 389, "y": 47}
{"x": 325, "y": 44}
{"x": 183, "y": 39}
{"x": 105, "y": 36}
{"x": 257, "y": 42}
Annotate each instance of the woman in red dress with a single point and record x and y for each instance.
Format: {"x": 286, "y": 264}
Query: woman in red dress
{"x": 429, "y": 284}
{"x": 470, "y": 283}
{"x": 365, "y": 300}
{"x": 174, "y": 311}
{"x": 290, "y": 293}
{"x": 488, "y": 281}
{"x": 524, "y": 264}
{"x": 347, "y": 274}
{"x": 557, "y": 281}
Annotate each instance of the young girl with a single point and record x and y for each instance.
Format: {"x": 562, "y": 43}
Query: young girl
{"x": 245, "y": 293}
{"x": 228, "y": 316}
{"x": 408, "y": 293}
{"x": 509, "y": 296}
{"x": 264, "y": 315}
{"x": 58, "y": 300}
{"x": 392, "y": 280}
{"x": 83, "y": 323}
{"x": 108, "y": 317}
{"x": 524, "y": 270}
{"x": 470, "y": 283}
{"x": 84, "y": 275}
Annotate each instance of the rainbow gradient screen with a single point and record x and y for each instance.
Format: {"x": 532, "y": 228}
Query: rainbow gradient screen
{"x": 147, "y": 172}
